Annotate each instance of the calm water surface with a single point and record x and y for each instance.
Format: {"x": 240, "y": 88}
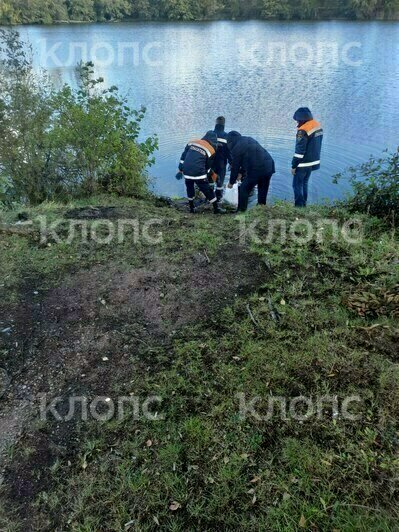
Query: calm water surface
{"x": 256, "y": 74}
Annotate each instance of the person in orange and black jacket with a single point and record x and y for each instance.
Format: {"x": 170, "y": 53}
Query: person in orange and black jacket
{"x": 196, "y": 168}
{"x": 309, "y": 140}
{"x": 222, "y": 156}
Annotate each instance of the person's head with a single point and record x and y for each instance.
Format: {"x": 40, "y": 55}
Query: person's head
{"x": 232, "y": 139}
{"x": 220, "y": 121}
{"x": 302, "y": 115}
{"x": 212, "y": 138}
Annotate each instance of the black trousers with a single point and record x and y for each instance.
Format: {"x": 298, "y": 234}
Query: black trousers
{"x": 220, "y": 182}
{"x": 203, "y": 186}
{"x": 247, "y": 186}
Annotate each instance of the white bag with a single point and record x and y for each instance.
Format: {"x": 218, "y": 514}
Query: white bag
{"x": 231, "y": 195}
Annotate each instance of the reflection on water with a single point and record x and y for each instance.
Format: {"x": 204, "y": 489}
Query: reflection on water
{"x": 254, "y": 73}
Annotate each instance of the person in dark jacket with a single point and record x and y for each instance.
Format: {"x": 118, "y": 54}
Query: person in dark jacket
{"x": 222, "y": 156}
{"x": 196, "y": 167}
{"x": 309, "y": 140}
{"x": 254, "y": 163}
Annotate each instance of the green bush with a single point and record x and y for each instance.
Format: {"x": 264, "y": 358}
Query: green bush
{"x": 376, "y": 187}
{"x": 67, "y": 143}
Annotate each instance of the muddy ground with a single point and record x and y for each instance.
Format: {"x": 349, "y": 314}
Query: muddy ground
{"x": 90, "y": 334}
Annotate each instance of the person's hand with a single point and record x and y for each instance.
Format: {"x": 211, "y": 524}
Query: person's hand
{"x": 293, "y": 171}
{"x": 230, "y": 185}
{"x": 179, "y": 175}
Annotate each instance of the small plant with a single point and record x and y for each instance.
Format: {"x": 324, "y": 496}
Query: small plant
{"x": 376, "y": 187}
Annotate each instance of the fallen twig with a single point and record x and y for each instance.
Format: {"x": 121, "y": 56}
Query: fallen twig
{"x": 374, "y": 327}
{"x": 362, "y": 506}
{"x": 252, "y": 316}
{"x": 273, "y": 313}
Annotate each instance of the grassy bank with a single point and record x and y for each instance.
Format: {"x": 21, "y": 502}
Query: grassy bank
{"x": 208, "y": 316}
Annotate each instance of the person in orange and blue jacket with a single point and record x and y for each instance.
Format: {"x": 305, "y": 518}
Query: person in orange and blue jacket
{"x": 196, "y": 168}
{"x": 309, "y": 140}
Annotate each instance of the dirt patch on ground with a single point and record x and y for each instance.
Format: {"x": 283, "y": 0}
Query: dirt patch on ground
{"x": 89, "y": 334}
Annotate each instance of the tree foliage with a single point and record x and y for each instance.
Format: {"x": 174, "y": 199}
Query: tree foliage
{"x": 53, "y": 11}
{"x": 65, "y": 143}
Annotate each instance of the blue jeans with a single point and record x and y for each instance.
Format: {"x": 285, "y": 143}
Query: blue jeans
{"x": 301, "y": 185}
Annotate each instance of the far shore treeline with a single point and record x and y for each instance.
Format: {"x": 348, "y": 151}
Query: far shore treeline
{"x": 59, "y": 11}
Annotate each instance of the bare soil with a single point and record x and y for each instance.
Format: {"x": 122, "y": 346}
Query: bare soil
{"x": 91, "y": 333}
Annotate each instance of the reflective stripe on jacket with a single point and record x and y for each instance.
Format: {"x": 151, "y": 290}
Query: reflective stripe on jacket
{"x": 308, "y": 146}
{"x": 222, "y": 156}
{"x": 196, "y": 160}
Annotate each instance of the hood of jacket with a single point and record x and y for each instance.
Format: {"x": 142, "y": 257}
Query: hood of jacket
{"x": 212, "y": 138}
{"x": 303, "y": 114}
{"x": 232, "y": 139}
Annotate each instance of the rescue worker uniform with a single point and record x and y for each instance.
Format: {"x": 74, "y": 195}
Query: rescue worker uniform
{"x": 309, "y": 140}
{"x": 196, "y": 166}
{"x": 254, "y": 163}
{"x": 222, "y": 157}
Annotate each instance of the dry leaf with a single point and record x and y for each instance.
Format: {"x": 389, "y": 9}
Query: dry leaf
{"x": 149, "y": 443}
{"x": 175, "y": 506}
{"x": 255, "y": 479}
{"x": 156, "y": 520}
{"x": 302, "y": 522}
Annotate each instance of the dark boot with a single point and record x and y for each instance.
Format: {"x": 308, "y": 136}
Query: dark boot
{"x": 191, "y": 205}
{"x": 217, "y": 209}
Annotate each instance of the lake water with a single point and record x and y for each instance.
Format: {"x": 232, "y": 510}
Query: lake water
{"x": 256, "y": 74}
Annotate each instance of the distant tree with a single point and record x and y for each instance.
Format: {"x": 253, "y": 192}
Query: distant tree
{"x": 81, "y": 10}
{"x": 8, "y": 14}
{"x": 111, "y": 9}
{"x": 48, "y": 11}
{"x": 145, "y": 9}
{"x": 274, "y": 9}
{"x": 365, "y": 8}
{"x": 179, "y": 9}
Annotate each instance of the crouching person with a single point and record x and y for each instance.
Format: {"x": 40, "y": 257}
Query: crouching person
{"x": 254, "y": 163}
{"x": 196, "y": 168}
